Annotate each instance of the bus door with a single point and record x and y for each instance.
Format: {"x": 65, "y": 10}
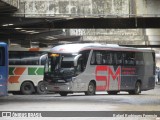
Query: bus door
{"x": 82, "y": 70}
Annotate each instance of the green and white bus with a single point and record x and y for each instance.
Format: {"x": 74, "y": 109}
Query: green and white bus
{"x": 26, "y": 69}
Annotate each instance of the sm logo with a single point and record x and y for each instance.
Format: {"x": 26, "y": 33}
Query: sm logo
{"x": 108, "y": 78}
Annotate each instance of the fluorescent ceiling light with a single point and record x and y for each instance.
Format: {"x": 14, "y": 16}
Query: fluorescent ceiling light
{"x": 34, "y": 32}
{"x": 18, "y": 28}
{"x": 23, "y": 30}
{"x": 30, "y": 32}
{"x": 51, "y": 37}
{"x": 4, "y": 25}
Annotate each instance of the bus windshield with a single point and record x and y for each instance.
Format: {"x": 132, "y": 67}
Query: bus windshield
{"x": 58, "y": 61}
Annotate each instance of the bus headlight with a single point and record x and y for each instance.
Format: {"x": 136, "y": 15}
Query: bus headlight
{"x": 68, "y": 88}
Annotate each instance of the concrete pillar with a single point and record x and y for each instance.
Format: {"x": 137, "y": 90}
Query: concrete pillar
{"x": 154, "y": 39}
{"x": 148, "y": 8}
{"x": 153, "y": 36}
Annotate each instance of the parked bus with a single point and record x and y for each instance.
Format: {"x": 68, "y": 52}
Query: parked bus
{"x": 26, "y": 69}
{"x": 3, "y": 68}
{"x": 96, "y": 67}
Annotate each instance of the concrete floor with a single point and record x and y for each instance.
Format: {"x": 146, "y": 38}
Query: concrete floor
{"x": 146, "y": 101}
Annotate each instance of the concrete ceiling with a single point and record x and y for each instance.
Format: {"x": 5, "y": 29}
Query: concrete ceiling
{"x": 51, "y": 30}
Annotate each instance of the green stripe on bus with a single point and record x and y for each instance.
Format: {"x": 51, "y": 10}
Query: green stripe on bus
{"x": 11, "y": 69}
{"x": 40, "y": 71}
{"x": 31, "y": 71}
{"x": 35, "y": 71}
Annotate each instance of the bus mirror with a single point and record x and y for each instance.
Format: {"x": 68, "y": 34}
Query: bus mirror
{"x": 62, "y": 58}
{"x": 76, "y": 59}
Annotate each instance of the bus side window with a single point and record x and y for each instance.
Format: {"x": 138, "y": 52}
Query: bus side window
{"x": 119, "y": 58}
{"x": 98, "y": 58}
{"x": 93, "y": 58}
{"x": 43, "y": 59}
{"x": 129, "y": 58}
{"x": 149, "y": 58}
{"x": 106, "y": 58}
{"x": 15, "y": 57}
{"x": 30, "y": 58}
{"x": 139, "y": 58}
{"x": 84, "y": 58}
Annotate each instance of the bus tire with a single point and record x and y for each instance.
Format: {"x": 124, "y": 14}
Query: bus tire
{"x": 137, "y": 89}
{"x": 41, "y": 88}
{"x": 112, "y": 92}
{"x": 91, "y": 89}
{"x": 63, "y": 93}
{"x": 27, "y": 88}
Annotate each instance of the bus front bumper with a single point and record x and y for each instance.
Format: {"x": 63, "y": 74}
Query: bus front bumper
{"x": 60, "y": 87}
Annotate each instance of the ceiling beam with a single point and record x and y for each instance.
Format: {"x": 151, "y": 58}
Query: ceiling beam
{"x": 30, "y": 36}
{"x": 142, "y": 46}
{"x": 117, "y": 23}
{"x": 44, "y": 34}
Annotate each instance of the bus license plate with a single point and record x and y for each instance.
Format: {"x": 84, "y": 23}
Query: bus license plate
{"x": 56, "y": 88}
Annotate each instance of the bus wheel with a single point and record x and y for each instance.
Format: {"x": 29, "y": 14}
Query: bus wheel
{"x": 91, "y": 89}
{"x": 27, "y": 88}
{"x": 41, "y": 88}
{"x": 137, "y": 89}
{"x": 112, "y": 92}
{"x": 63, "y": 93}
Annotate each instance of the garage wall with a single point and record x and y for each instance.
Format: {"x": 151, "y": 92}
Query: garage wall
{"x": 148, "y": 8}
{"x": 117, "y": 36}
{"x": 74, "y": 8}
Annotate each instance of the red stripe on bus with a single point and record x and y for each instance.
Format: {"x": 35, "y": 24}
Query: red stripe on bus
{"x": 34, "y": 49}
{"x": 101, "y": 88}
{"x": 13, "y": 79}
{"x": 19, "y": 70}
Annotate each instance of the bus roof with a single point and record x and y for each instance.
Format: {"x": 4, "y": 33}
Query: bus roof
{"x": 75, "y": 48}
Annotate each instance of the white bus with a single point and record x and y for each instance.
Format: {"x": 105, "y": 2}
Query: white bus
{"x": 96, "y": 67}
{"x": 26, "y": 69}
